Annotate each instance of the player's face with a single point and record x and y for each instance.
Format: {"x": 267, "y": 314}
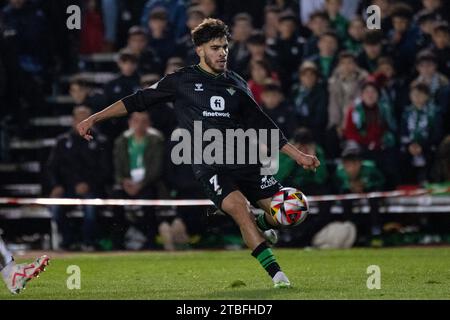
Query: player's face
{"x": 215, "y": 54}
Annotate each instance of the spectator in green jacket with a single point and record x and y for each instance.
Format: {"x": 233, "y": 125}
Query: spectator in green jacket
{"x": 355, "y": 175}
{"x": 310, "y": 101}
{"x": 290, "y": 174}
{"x": 356, "y": 29}
{"x": 337, "y": 21}
{"x": 326, "y": 58}
{"x": 138, "y": 167}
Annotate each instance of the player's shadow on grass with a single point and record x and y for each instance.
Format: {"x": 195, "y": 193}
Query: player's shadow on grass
{"x": 258, "y": 294}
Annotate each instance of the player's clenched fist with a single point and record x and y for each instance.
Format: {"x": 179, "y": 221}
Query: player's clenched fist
{"x": 84, "y": 129}
{"x": 308, "y": 162}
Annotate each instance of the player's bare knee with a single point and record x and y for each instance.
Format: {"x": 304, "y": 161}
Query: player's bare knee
{"x": 240, "y": 208}
{"x": 236, "y": 206}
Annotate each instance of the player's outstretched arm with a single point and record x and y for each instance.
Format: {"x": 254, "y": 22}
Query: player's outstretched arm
{"x": 117, "y": 109}
{"x": 307, "y": 161}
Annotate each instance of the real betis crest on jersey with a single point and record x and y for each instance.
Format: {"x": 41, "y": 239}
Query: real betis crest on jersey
{"x": 231, "y": 91}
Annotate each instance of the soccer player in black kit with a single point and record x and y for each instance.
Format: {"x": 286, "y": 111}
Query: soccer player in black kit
{"x": 221, "y": 100}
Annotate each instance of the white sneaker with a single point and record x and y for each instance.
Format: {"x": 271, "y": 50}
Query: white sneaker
{"x": 271, "y": 236}
{"x": 280, "y": 281}
{"x": 20, "y": 274}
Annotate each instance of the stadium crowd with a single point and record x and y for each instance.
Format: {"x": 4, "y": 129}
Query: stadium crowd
{"x": 373, "y": 105}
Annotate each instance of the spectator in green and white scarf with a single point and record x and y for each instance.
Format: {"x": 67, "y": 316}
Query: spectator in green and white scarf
{"x": 427, "y": 67}
{"x": 370, "y": 122}
{"x": 420, "y": 134}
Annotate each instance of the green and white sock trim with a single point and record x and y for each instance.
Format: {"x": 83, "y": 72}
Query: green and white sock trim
{"x": 266, "y": 258}
{"x": 262, "y": 223}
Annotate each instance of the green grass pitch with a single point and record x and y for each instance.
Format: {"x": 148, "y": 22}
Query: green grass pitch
{"x": 406, "y": 273}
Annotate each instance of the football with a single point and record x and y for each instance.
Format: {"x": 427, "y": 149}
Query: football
{"x": 289, "y": 207}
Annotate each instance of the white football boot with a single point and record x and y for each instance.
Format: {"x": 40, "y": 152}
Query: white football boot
{"x": 20, "y": 274}
{"x": 271, "y": 236}
{"x": 280, "y": 281}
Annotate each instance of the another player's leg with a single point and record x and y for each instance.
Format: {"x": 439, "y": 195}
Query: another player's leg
{"x": 15, "y": 275}
{"x": 236, "y": 205}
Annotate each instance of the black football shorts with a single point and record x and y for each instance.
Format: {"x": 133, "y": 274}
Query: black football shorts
{"x": 254, "y": 186}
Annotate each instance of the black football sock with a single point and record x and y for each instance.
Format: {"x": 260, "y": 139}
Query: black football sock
{"x": 266, "y": 258}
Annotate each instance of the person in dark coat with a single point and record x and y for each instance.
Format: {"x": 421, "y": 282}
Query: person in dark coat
{"x": 78, "y": 169}
{"x": 310, "y": 101}
{"x": 127, "y": 82}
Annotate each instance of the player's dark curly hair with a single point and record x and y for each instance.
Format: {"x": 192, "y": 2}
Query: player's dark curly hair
{"x": 208, "y": 30}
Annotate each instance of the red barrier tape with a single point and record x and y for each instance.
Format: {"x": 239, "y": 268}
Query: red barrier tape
{"x": 200, "y": 202}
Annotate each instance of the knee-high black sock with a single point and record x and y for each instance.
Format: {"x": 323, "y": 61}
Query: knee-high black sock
{"x": 268, "y": 261}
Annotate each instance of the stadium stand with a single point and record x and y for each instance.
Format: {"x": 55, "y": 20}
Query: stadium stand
{"x": 37, "y": 105}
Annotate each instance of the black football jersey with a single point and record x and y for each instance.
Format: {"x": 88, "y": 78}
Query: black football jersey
{"x": 217, "y": 102}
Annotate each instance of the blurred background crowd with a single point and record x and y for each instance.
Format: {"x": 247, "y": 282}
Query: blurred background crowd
{"x": 373, "y": 105}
